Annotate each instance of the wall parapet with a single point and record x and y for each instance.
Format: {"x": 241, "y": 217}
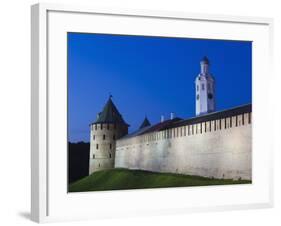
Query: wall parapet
{"x": 192, "y": 129}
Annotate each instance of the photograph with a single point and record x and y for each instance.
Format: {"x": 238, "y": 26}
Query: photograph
{"x": 147, "y": 112}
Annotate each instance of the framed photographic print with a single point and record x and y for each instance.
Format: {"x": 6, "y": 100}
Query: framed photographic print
{"x": 142, "y": 112}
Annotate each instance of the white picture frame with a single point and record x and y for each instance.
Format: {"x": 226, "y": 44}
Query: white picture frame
{"x": 50, "y": 200}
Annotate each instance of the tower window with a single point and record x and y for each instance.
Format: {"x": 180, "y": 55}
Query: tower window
{"x": 197, "y": 88}
{"x": 95, "y": 126}
{"x": 108, "y": 126}
{"x": 97, "y": 146}
{"x": 103, "y": 137}
{"x": 101, "y": 126}
{"x": 197, "y": 97}
{"x": 109, "y": 155}
{"x": 113, "y": 137}
{"x": 93, "y": 156}
{"x": 203, "y": 86}
{"x": 94, "y": 137}
{"x": 110, "y": 146}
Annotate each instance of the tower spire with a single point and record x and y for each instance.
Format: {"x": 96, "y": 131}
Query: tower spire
{"x": 145, "y": 123}
{"x": 204, "y": 65}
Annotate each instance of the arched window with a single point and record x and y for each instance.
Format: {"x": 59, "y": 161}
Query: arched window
{"x": 103, "y": 137}
{"x": 97, "y": 146}
{"x": 113, "y": 137}
{"x": 203, "y": 86}
{"x": 109, "y": 155}
{"x": 94, "y": 137}
{"x": 108, "y": 126}
{"x": 110, "y": 146}
{"x": 101, "y": 126}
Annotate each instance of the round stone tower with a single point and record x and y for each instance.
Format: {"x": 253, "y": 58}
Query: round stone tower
{"x": 108, "y": 127}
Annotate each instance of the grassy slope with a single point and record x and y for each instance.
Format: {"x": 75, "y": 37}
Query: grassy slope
{"x": 115, "y": 179}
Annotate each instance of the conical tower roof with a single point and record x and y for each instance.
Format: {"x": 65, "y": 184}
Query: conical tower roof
{"x": 110, "y": 114}
{"x": 145, "y": 123}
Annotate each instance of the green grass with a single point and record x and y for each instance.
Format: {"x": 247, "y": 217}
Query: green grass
{"x": 117, "y": 179}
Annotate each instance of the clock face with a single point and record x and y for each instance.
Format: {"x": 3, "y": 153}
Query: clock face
{"x": 210, "y": 96}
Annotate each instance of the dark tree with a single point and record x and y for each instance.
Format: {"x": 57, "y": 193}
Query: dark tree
{"x": 78, "y": 161}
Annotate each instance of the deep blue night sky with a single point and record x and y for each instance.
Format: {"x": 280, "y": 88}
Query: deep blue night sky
{"x": 149, "y": 76}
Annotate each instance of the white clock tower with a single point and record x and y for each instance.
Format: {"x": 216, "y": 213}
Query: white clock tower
{"x": 205, "y": 90}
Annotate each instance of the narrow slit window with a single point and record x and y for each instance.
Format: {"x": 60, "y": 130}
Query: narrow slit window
{"x": 215, "y": 128}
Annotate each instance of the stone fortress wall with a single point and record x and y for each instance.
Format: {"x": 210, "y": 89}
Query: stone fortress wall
{"x": 218, "y": 148}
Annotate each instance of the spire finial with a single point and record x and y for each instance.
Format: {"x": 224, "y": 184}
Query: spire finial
{"x": 204, "y": 63}
{"x": 205, "y": 60}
